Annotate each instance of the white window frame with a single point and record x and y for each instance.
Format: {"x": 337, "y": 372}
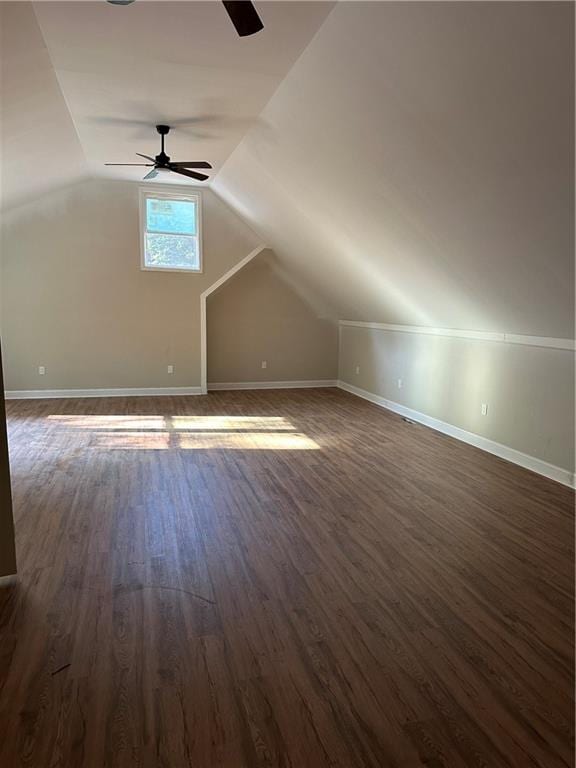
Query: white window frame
{"x": 161, "y": 194}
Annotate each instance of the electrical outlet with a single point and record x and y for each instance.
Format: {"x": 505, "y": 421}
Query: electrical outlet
{"x": 400, "y": 383}
{"x": 170, "y": 369}
{"x": 264, "y": 364}
{"x": 484, "y": 409}
{"x": 357, "y": 370}
{"x": 41, "y": 370}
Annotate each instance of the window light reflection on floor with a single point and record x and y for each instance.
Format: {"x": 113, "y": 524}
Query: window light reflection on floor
{"x": 273, "y": 423}
{"x": 142, "y": 440}
{"x": 175, "y": 423}
{"x": 249, "y": 441}
{"x": 243, "y": 433}
{"x": 230, "y": 441}
{"x": 110, "y": 422}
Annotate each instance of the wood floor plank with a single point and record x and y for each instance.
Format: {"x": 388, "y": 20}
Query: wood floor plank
{"x": 269, "y": 579}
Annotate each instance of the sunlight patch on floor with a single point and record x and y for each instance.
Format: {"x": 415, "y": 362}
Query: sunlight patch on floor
{"x": 188, "y": 433}
{"x": 249, "y": 441}
{"x": 110, "y": 422}
{"x": 143, "y": 441}
{"x": 235, "y": 441}
{"x": 174, "y": 423}
{"x": 273, "y": 423}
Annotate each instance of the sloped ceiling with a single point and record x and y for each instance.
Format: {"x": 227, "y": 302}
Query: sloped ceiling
{"x": 416, "y": 164}
{"x": 409, "y": 162}
{"x": 124, "y": 69}
{"x": 40, "y": 150}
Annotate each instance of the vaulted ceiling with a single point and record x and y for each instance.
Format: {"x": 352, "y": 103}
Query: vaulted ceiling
{"x": 409, "y": 162}
{"x": 125, "y": 69}
{"x": 102, "y": 76}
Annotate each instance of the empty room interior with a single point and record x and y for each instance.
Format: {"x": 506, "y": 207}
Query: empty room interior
{"x": 287, "y": 367}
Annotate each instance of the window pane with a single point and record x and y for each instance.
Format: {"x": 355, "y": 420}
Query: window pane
{"x": 178, "y": 216}
{"x": 176, "y": 251}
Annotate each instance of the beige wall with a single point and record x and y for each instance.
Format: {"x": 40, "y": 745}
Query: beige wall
{"x": 529, "y": 390}
{"x": 258, "y": 316}
{"x": 7, "y": 547}
{"x": 75, "y": 300}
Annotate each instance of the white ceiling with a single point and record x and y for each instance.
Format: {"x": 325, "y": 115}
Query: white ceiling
{"x": 123, "y": 69}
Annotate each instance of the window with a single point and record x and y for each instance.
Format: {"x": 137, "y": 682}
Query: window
{"x": 170, "y": 231}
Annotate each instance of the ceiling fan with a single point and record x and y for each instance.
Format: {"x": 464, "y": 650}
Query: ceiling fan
{"x": 242, "y": 13}
{"x": 163, "y": 163}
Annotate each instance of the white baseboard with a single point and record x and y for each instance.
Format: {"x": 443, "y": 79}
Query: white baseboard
{"x": 219, "y": 386}
{"x": 54, "y": 394}
{"x": 563, "y": 476}
{"x": 50, "y": 394}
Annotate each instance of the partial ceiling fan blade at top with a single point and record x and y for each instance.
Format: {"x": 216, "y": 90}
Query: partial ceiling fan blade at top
{"x": 244, "y": 17}
{"x": 146, "y": 156}
{"x": 242, "y": 14}
{"x": 191, "y": 174}
{"x": 138, "y": 165}
{"x": 191, "y": 164}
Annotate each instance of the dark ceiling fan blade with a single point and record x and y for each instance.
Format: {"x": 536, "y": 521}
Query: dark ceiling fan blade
{"x": 242, "y": 13}
{"x": 191, "y": 174}
{"x": 162, "y": 161}
{"x": 243, "y": 16}
{"x": 191, "y": 164}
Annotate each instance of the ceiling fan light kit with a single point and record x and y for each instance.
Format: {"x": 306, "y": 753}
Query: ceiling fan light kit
{"x": 163, "y": 163}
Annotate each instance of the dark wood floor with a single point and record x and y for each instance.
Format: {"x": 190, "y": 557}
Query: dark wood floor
{"x": 292, "y": 578}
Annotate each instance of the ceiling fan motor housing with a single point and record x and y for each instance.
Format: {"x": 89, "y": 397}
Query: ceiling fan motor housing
{"x": 162, "y": 159}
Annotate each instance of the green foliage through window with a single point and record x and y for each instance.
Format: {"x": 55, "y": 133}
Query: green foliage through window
{"x": 171, "y": 234}
{"x": 172, "y": 251}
